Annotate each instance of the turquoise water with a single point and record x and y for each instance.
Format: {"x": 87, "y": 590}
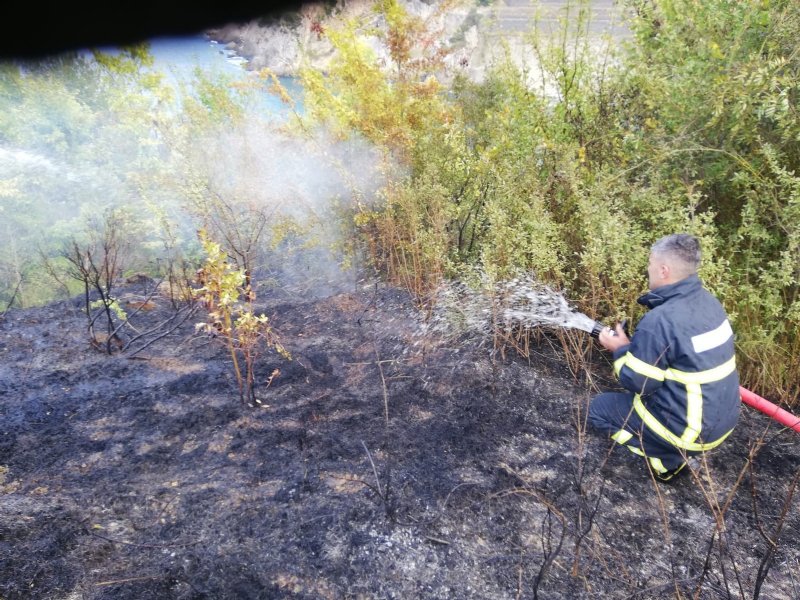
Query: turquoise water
{"x": 178, "y": 58}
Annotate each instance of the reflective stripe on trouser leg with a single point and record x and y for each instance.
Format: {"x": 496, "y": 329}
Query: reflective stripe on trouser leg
{"x": 654, "y": 425}
{"x": 655, "y": 463}
{"x": 622, "y": 436}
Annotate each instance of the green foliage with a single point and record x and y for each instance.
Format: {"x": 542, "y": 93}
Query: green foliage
{"x": 79, "y": 135}
{"x": 112, "y": 304}
{"x": 715, "y": 86}
{"x": 389, "y": 105}
{"x": 228, "y": 296}
{"x": 572, "y": 167}
{"x": 214, "y": 102}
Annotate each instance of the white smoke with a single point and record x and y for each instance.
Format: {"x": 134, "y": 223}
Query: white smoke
{"x": 71, "y": 160}
{"x": 313, "y": 179}
{"x": 16, "y": 160}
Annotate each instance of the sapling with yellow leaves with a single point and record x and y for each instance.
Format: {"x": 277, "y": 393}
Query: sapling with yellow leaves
{"x": 228, "y": 296}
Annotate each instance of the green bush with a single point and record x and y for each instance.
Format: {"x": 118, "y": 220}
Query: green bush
{"x": 690, "y": 127}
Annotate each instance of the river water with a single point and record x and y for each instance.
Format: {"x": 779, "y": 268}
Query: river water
{"x": 178, "y": 58}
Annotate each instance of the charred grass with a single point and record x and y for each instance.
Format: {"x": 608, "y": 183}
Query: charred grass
{"x": 380, "y": 464}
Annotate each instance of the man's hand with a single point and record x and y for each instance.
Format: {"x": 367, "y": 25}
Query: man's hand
{"x": 612, "y": 340}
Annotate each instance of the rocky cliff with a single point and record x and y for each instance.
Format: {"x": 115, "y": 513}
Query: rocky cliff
{"x": 475, "y": 32}
{"x": 285, "y": 44}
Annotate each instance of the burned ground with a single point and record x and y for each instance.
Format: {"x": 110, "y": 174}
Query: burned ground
{"x": 145, "y": 477}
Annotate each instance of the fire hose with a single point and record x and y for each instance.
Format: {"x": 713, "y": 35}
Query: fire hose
{"x": 768, "y": 408}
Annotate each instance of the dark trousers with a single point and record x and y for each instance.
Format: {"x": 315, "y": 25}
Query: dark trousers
{"x": 612, "y": 413}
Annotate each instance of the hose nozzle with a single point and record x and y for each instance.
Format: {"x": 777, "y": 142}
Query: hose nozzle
{"x": 598, "y": 327}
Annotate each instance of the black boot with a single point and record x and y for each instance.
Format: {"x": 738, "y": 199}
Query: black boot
{"x": 670, "y": 474}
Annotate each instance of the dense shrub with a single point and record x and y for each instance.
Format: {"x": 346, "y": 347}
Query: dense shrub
{"x": 691, "y": 126}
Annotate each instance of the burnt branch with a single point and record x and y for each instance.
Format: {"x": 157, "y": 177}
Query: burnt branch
{"x": 772, "y": 547}
{"x": 189, "y": 313}
{"x": 550, "y": 553}
{"x": 13, "y": 297}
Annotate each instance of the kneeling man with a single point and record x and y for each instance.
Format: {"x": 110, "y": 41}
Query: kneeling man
{"x": 678, "y": 369}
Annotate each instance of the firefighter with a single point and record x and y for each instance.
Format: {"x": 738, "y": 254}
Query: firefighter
{"x": 678, "y": 370}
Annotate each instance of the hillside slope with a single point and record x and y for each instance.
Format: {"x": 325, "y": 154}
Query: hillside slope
{"x": 144, "y": 477}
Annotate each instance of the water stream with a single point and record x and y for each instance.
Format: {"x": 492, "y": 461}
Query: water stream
{"x": 518, "y": 303}
{"x": 532, "y": 304}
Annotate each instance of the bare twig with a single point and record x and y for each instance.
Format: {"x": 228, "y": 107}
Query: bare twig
{"x": 154, "y": 329}
{"x": 437, "y": 540}
{"x": 13, "y": 297}
{"x": 136, "y": 310}
{"x": 769, "y": 556}
{"x": 374, "y": 471}
{"x": 385, "y": 390}
{"x": 166, "y": 333}
{"x": 113, "y": 541}
{"x": 756, "y": 516}
{"x": 549, "y": 552}
{"x": 129, "y": 580}
{"x": 359, "y": 481}
{"x": 162, "y": 511}
{"x": 663, "y": 587}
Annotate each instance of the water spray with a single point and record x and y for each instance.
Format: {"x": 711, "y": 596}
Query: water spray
{"x": 522, "y": 302}
{"x": 530, "y": 303}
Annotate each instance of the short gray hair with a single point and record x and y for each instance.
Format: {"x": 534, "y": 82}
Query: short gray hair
{"x": 681, "y": 246}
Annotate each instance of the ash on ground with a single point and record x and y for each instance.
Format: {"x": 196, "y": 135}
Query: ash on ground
{"x": 376, "y": 467}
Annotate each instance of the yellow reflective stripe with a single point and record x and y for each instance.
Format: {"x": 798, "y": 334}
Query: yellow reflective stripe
{"x": 694, "y": 412}
{"x": 643, "y": 368}
{"x": 701, "y": 377}
{"x": 656, "y": 427}
{"x": 657, "y": 465}
{"x": 620, "y": 362}
{"x": 636, "y": 450}
{"x": 622, "y": 436}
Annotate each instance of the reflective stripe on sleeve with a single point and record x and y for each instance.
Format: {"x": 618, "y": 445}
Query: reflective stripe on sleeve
{"x": 618, "y": 364}
{"x": 712, "y": 339}
{"x": 642, "y": 368}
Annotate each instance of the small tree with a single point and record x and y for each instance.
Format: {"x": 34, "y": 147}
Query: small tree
{"x": 96, "y": 264}
{"x": 228, "y": 296}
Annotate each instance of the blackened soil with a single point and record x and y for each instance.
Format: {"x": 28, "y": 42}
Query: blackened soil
{"x": 145, "y": 477}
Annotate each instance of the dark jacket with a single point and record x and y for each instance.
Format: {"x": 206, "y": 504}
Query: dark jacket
{"x": 681, "y": 366}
